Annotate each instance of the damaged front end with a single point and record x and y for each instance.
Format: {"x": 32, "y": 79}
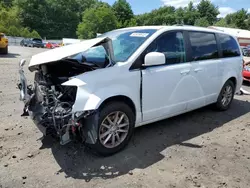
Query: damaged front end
{"x": 49, "y": 103}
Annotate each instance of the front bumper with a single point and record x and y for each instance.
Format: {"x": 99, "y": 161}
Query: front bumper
{"x": 66, "y": 126}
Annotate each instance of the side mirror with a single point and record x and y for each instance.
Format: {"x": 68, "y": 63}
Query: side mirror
{"x": 154, "y": 58}
{"x": 22, "y": 63}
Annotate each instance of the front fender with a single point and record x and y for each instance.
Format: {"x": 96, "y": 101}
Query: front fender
{"x": 91, "y": 101}
{"x": 94, "y": 87}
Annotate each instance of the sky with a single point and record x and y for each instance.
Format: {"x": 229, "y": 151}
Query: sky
{"x": 225, "y": 6}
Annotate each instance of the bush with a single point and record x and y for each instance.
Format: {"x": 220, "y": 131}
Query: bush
{"x": 13, "y": 31}
{"x": 34, "y": 34}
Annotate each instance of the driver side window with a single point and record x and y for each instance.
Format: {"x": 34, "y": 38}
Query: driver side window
{"x": 171, "y": 45}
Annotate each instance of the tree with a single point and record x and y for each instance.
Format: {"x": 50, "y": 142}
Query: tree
{"x": 162, "y": 16}
{"x": 10, "y": 23}
{"x": 239, "y": 19}
{"x": 223, "y": 23}
{"x": 34, "y": 34}
{"x": 130, "y": 23}
{"x": 13, "y": 31}
{"x": 25, "y": 33}
{"x": 179, "y": 13}
{"x": 191, "y": 14}
{"x": 123, "y": 12}
{"x": 208, "y": 11}
{"x": 81, "y": 5}
{"x": 6, "y": 3}
{"x": 202, "y": 22}
{"x": 96, "y": 20}
{"x": 53, "y": 18}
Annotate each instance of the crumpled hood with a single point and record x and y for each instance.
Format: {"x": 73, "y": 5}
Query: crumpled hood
{"x": 65, "y": 51}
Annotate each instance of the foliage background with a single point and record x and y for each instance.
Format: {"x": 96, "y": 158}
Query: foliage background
{"x": 55, "y": 19}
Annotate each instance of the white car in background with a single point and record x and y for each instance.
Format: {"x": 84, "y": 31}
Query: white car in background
{"x": 99, "y": 90}
{"x": 68, "y": 41}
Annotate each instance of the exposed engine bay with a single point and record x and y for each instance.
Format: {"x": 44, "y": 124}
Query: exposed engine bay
{"x": 50, "y": 103}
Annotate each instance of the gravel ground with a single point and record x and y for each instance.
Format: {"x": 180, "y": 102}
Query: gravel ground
{"x": 203, "y": 148}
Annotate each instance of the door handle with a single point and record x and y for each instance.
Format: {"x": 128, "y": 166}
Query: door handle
{"x": 185, "y": 72}
{"x": 197, "y": 70}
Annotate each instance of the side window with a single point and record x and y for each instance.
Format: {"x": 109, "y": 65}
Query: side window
{"x": 203, "y": 46}
{"x": 229, "y": 46}
{"x": 172, "y": 45}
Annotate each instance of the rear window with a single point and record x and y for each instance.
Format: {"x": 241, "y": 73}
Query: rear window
{"x": 229, "y": 46}
{"x": 203, "y": 46}
{"x": 37, "y": 40}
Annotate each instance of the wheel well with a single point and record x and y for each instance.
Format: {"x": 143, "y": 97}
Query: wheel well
{"x": 233, "y": 79}
{"x": 120, "y": 98}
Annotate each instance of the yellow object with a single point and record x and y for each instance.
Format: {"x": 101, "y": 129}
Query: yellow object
{"x": 61, "y": 44}
{"x": 3, "y": 44}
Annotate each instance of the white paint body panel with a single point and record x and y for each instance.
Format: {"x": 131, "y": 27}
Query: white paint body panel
{"x": 167, "y": 90}
{"x": 97, "y": 86}
{"x": 164, "y": 90}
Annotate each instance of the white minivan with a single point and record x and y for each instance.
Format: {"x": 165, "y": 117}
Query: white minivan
{"x": 100, "y": 89}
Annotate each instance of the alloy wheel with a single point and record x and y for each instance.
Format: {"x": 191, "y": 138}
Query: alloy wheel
{"x": 114, "y": 129}
{"x": 227, "y": 95}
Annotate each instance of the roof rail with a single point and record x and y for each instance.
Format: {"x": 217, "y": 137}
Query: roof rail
{"x": 184, "y": 25}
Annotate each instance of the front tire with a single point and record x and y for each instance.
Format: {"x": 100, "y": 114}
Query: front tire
{"x": 226, "y": 96}
{"x": 115, "y": 128}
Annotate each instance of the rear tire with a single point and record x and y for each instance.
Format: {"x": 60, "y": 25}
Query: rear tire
{"x": 226, "y": 96}
{"x": 110, "y": 110}
{"x": 4, "y": 50}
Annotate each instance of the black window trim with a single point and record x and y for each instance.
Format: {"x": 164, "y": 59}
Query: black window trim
{"x": 137, "y": 65}
{"x": 190, "y": 46}
{"x": 219, "y": 45}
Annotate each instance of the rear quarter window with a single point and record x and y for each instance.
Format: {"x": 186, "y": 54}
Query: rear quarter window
{"x": 38, "y": 40}
{"x": 204, "y": 46}
{"x": 229, "y": 46}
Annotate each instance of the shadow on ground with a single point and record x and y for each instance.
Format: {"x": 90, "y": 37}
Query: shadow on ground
{"x": 9, "y": 55}
{"x": 245, "y": 83}
{"x": 145, "y": 148}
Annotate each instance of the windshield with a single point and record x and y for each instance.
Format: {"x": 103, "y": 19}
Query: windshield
{"x": 125, "y": 43}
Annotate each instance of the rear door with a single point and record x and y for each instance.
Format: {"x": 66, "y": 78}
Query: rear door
{"x": 205, "y": 68}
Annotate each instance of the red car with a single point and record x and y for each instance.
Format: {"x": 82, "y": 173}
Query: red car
{"x": 246, "y": 71}
{"x": 52, "y": 45}
{"x": 246, "y": 74}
